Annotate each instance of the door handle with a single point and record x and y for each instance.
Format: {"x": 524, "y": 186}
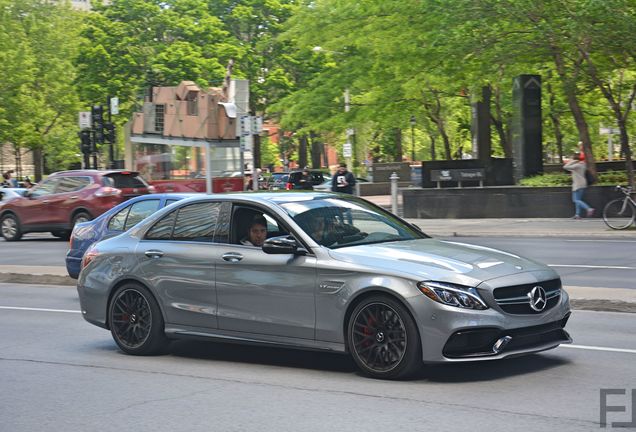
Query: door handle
{"x": 74, "y": 197}
{"x": 153, "y": 253}
{"x": 45, "y": 201}
{"x": 232, "y": 257}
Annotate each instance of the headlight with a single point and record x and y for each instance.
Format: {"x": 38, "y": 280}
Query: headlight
{"x": 452, "y": 295}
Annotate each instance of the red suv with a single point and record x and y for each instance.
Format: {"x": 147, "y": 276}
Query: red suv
{"x": 66, "y": 198}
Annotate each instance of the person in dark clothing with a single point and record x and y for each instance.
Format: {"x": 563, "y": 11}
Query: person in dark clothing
{"x": 343, "y": 181}
{"x": 305, "y": 182}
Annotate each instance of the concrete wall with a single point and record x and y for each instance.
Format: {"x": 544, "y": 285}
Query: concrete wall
{"x": 384, "y": 188}
{"x": 500, "y": 202}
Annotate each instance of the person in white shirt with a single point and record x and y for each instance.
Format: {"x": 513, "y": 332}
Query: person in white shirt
{"x": 577, "y": 167}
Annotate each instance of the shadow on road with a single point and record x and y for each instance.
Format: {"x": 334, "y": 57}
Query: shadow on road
{"x": 439, "y": 373}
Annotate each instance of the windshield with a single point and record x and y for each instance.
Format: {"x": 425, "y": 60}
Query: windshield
{"x": 337, "y": 222}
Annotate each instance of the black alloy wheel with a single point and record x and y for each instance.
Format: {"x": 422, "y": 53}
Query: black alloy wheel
{"x": 10, "y": 228}
{"x": 383, "y": 338}
{"x": 135, "y": 321}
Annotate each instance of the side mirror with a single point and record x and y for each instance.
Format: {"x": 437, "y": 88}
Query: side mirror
{"x": 283, "y": 245}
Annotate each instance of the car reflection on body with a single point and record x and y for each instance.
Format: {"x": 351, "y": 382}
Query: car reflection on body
{"x": 336, "y": 273}
{"x": 112, "y": 223}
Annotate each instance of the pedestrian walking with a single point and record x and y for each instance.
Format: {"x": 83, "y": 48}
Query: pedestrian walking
{"x": 8, "y": 181}
{"x": 343, "y": 181}
{"x": 579, "y": 184}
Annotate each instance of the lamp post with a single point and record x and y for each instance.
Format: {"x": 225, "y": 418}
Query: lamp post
{"x": 413, "y": 138}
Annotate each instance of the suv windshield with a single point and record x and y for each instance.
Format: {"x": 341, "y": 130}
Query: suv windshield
{"x": 337, "y": 222}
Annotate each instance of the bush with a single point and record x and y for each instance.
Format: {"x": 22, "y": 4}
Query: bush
{"x": 608, "y": 178}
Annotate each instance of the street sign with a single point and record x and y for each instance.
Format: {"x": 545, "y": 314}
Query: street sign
{"x": 114, "y": 105}
{"x": 84, "y": 119}
{"x": 346, "y": 150}
{"x": 257, "y": 125}
{"x": 246, "y": 125}
{"x": 608, "y": 131}
{"x": 246, "y": 143}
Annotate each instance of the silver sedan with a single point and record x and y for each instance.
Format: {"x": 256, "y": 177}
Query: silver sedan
{"x": 317, "y": 271}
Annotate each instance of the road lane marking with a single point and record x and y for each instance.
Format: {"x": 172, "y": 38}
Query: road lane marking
{"x": 39, "y": 309}
{"x": 592, "y": 266}
{"x": 596, "y": 348}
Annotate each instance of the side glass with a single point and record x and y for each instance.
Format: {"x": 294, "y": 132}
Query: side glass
{"x": 162, "y": 230}
{"x": 45, "y": 187}
{"x": 72, "y": 184}
{"x": 197, "y": 222}
{"x": 140, "y": 211}
{"x": 118, "y": 221}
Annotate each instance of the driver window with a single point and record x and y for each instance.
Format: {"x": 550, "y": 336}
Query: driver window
{"x": 251, "y": 226}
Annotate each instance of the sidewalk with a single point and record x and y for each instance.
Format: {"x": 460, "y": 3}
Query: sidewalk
{"x": 520, "y": 227}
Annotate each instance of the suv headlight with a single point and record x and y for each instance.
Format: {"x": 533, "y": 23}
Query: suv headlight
{"x": 452, "y": 295}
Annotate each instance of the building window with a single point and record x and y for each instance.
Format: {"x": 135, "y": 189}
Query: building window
{"x": 160, "y": 110}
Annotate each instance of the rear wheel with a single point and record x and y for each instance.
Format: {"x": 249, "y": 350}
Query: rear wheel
{"x": 383, "y": 338}
{"x": 618, "y": 214}
{"x": 135, "y": 321}
{"x": 10, "y": 228}
{"x": 81, "y": 217}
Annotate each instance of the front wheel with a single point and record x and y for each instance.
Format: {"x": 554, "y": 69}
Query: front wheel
{"x": 10, "y": 228}
{"x": 135, "y": 321}
{"x": 383, "y": 338}
{"x": 618, "y": 214}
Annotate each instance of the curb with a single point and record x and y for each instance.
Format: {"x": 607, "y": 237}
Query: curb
{"x": 37, "y": 279}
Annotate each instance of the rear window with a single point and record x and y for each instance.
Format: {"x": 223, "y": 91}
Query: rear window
{"x": 120, "y": 180}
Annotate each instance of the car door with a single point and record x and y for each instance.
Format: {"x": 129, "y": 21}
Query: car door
{"x": 35, "y": 208}
{"x": 264, "y": 293}
{"x": 67, "y": 197}
{"x": 177, "y": 256}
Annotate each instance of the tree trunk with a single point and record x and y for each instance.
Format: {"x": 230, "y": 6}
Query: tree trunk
{"x": 38, "y": 164}
{"x": 575, "y": 107}
{"x": 316, "y": 151}
{"x": 398, "y": 144}
{"x": 302, "y": 151}
{"x": 499, "y": 123}
{"x": 257, "y": 151}
{"x": 627, "y": 151}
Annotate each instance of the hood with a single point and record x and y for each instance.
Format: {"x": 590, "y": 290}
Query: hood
{"x": 431, "y": 259}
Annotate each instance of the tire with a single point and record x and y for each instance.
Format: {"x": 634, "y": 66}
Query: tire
{"x": 64, "y": 234}
{"x": 383, "y": 339}
{"x": 81, "y": 217}
{"x": 135, "y": 320}
{"x": 10, "y": 227}
{"x": 618, "y": 214}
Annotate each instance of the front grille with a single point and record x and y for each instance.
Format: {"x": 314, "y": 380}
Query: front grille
{"x": 480, "y": 342}
{"x": 515, "y": 299}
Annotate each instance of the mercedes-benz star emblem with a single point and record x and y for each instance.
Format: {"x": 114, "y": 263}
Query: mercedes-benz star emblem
{"x": 537, "y": 298}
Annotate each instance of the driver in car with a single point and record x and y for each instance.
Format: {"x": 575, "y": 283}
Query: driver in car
{"x": 257, "y": 232}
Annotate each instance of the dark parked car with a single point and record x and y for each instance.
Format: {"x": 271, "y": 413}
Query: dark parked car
{"x": 277, "y": 181}
{"x": 68, "y": 197}
{"x": 335, "y": 273}
{"x": 114, "y": 222}
{"x": 317, "y": 177}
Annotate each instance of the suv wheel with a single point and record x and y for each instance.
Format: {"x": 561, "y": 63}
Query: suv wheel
{"x": 10, "y": 228}
{"x": 63, "y": 234}
{"x": 81, "y": 217}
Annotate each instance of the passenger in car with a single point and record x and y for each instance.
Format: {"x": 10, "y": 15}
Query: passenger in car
{"x": 256, "y": 233}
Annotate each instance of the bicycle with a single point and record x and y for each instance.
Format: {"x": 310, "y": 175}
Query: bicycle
{"x": 619, "y": 213}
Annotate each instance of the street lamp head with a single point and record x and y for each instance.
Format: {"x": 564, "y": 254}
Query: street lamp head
{"x": 413, "y": 120}
{"x": 317, "y": 49}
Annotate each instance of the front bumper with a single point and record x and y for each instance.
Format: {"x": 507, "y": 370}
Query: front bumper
{"x": 450, "y": 334}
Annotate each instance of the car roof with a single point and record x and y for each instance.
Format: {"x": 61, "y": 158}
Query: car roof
{"x": 268, "y": 197}
{"x": 93, "y": 172}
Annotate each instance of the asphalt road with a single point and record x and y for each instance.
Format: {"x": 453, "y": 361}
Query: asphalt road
{"x": 58, "y": 372}
{"x": 595, "y": 262}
